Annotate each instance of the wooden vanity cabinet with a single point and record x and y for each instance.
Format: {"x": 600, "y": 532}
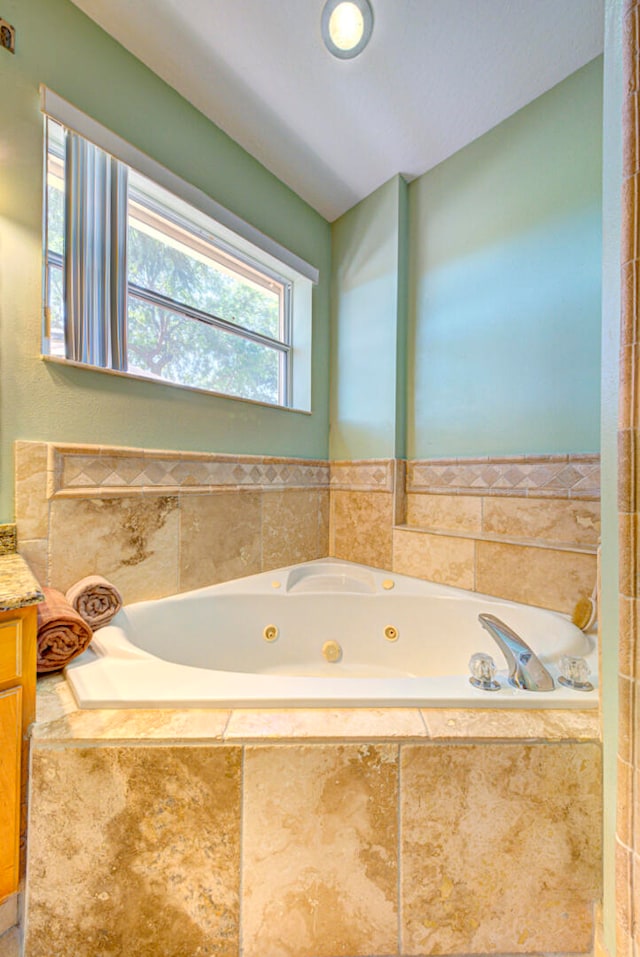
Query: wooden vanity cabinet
{"x": 17, "y": 712}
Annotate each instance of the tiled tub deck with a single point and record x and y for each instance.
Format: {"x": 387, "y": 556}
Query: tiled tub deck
{"x": 309, "y": 832}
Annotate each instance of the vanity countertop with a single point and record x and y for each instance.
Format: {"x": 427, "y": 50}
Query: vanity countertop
{"x": 18, "y": 587}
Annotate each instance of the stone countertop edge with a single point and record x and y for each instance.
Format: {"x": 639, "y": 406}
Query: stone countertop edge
{"x": 18, "y": 587}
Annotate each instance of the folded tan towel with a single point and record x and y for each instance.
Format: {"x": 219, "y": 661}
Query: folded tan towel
{"x": 62, "y": 633}
{"x": 96, "y": 599}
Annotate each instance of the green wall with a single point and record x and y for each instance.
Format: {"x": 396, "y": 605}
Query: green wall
{"x": 60, "y": 47}
{"x": 465, "y": 307}
{"x": 494, "y": 256}
{"x": 368, "y": 315}
{"x": 504, "y": 285}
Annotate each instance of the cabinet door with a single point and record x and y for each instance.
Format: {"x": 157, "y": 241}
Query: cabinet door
{"x": 11, "y": 650}
{"x": 10, "y": 748}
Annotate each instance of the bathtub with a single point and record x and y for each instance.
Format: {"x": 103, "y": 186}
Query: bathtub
{"x": 326, "y": 633}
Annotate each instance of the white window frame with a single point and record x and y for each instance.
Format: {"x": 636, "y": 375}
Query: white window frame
{"x": 227, "y": 228}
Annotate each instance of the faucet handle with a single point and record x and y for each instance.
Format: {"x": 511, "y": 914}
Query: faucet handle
{"x": 574, "y": 673}
{"x": 483, "y": 669}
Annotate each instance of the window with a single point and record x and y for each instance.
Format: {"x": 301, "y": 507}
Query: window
{"x": 140, "y": 281}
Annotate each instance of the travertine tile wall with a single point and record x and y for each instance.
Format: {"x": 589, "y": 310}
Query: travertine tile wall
{"x": 524, "y": 528}
{"x": 362, "y": 511}
{"x": 627, "y": 832}
{"x": 156, "y": 523}
{"x": 325, "y": 833}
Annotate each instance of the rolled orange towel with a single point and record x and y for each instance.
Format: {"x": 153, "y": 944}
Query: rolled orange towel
{"x": 95, "y": 599}
{"x": 62, "y": 632}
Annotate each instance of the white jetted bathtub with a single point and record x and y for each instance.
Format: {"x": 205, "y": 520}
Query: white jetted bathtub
{"x": 326, "y": 633}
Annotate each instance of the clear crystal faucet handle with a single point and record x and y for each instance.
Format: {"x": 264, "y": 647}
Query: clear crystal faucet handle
{"x": 483, "y": 669}
{"x": 574, "y": 673}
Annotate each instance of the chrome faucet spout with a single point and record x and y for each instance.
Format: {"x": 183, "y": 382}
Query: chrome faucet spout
{"x": 526, "y": 671}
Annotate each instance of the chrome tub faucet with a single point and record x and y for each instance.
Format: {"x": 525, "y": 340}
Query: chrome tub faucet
{"x": 526, "y": 671}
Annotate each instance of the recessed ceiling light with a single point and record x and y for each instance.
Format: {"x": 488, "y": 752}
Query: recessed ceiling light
{"x": 346, "y": 27}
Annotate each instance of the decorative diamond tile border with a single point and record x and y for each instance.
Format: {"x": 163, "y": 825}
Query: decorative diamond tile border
{"x": 94, "y": 470}
{"x": 366, "y": 475}
{"x": 98, "y": 471}
{"x": 550, "y": 476}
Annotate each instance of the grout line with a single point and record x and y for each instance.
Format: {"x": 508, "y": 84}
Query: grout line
{"x": 331, "y": 523}
{"x": 223, "y": 733}
{"x": 179, "y": 546}
{"x": 624, "y": 845}
{"x": 399, "y": 851}
{"x": 499, "y": 539}
{"x": 241, "y": 874}
{"x": 48, "y": 557}
{"x": 262, "y": 530}
{"x": 474, "y": 586}
{"x": 62, "y": 744}
{"x": 425, "y": 723}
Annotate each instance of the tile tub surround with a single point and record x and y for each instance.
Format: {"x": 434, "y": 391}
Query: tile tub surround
{"x": 290, "y": 833}
{"x": 627, "y": 840}
{"x": 157, "y": 522}
{"x": 535, "y": 476}
{"x": 367, "y": 500}
{"x": 524, "y": 528}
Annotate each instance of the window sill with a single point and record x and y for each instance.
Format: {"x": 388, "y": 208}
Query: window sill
{"x": 57, "y": 360}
